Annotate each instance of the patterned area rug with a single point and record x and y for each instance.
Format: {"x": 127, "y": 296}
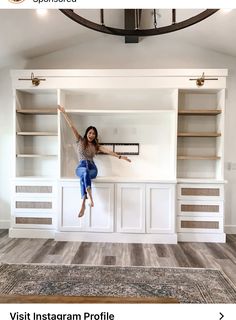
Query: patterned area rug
{"x": 186, "y": 285}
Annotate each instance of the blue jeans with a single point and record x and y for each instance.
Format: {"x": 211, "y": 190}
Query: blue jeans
{"x": 86, "y": 170}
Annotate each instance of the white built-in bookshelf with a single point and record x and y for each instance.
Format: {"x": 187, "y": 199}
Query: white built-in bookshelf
{"x": 36, "y": 133}
{"x": 201, "y": 134}
{"x": 177, "y": 126}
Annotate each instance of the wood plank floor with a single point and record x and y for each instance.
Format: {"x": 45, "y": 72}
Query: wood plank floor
{"x": 184, "y": 254}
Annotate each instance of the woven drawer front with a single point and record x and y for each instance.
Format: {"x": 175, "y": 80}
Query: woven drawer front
{"x": 33, "y": 205}
{"x": 199, "y": 208}
{"x": 195, "y": 191}
{"x": 35, "y": 220}
{"x": 33, "y": 189}
{"x": 200, "y": 224}
{"x": 209, "y": 192}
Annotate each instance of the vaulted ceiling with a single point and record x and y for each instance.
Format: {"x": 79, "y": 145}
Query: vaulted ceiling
{"x": 23, "y": 34}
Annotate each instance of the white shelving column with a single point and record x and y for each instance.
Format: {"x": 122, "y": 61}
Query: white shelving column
{"x": 34, "y": 187}
{"x": 200, "y": 215}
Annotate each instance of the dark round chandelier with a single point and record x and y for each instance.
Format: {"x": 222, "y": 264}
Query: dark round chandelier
{"x": 133, "y": 21}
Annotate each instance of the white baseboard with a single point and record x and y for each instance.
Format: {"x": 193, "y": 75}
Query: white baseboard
{"x": 116, "y": 237}
{"x": 202, "y": 237}
{"x": 5, "y": 224}
{"x": 230, "y": 229}
{"x": 31, "y": 233}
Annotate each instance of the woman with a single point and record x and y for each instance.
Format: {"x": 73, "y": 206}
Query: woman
{"x": 87, "y": 147}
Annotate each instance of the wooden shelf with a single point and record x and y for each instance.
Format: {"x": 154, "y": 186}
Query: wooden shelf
{"x": 21, "y": 155}
{"x": 198, "y": 157}
{"x": 199, "y": 112}
{"x": 38, "y": 111}
{"x": 35, "y": 133}
{"x": 199, "y": 134}
{"x": 118, "y": 111}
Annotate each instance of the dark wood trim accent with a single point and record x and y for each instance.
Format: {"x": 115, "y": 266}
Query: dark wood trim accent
{"x": 140, "y": 33}
{"x": 83, "y": 299}
{"x": 197, "y": 157}
{"x": 199, "y": 134}
{"x": 173, "y": 16}
{"x": 48, "y": 111}
{"x": 130, "y": 16}
{"x": 199, "y": 112}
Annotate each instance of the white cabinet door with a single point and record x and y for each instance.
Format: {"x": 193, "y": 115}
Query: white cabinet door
{"x": 96, "y": 219}
{"x": 160, "y": 208}
{"x": 100, "y": 217}
{"x": 130, "y": 207}
{"x": 70, "y": 202}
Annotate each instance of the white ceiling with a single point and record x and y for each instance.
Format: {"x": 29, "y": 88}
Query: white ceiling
{"x": 23, "y": 34}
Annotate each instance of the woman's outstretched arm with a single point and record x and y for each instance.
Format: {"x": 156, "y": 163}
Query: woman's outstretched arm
{"x": 107, "y": 151}
{"x": 68, "y": 120}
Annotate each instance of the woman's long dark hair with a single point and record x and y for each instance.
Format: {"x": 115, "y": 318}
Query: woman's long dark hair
{"x": 95, "y": 140}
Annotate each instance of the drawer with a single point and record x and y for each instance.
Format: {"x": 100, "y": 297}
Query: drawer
{"x": 200, "y": 208}
{"x": 200, "y": 224}
{"x": 32, "y": 221}
{"x": 35, "y": 189}
{"x": 24, "y": 204}
{"x": 200, "y": 191}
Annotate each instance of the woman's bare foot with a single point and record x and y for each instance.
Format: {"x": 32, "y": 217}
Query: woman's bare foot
{"x": 82, "y": 209}
{"x": 91, "y": 203}
{"x": 90, "y": 197}
{"x": 81, "y": 213}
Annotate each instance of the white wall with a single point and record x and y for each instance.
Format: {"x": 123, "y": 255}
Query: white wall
{"x": 152, "y": 52}
{"x": 6, "y": 148}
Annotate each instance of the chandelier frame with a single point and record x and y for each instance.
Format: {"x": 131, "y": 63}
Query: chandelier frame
{"x": 174, "y": 26}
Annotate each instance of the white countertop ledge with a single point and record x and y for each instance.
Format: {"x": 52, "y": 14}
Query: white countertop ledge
{"x": 122, "y": 179}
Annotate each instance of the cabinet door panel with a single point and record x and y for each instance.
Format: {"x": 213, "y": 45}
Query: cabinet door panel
{"x": 101, "y": 215}
{"x": 70, "y": 204}
{"x": 96, "y": 219}
{"x": 160, "y": 206}
{"x": 130, "y": 208}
